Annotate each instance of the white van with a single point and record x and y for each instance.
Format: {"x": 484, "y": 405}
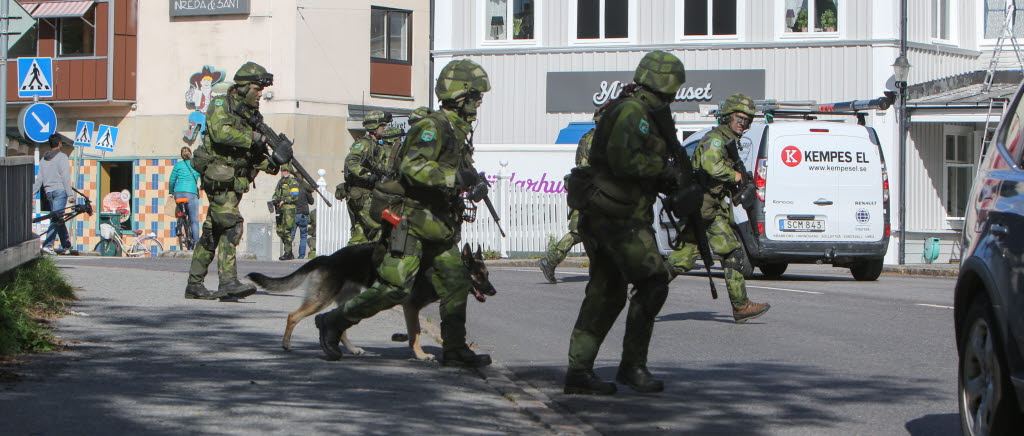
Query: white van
{"x": 823, "y": 197}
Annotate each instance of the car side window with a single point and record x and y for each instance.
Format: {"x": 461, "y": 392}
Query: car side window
{"x": 1015, "y": 135}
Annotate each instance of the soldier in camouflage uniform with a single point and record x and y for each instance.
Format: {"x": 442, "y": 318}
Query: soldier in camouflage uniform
{"x": 390, "y": 141}
{"x": 435, "y": 154}
{"x": 419, "y": 114}
{"x": 734, "y": 118}
{"x": 560, "y": 249}
{"x": 232, "y": 155}
{"x": 628, "y": 162}
{"x": 312, "y": 233}
{"x": 359, "y": 180}
{"x": 286, "y": 196}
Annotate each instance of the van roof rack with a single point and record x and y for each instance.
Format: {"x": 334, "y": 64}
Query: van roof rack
{"x": 809, "y": 109}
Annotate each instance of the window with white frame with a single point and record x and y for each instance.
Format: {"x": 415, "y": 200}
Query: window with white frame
{"x": 499, "y": 25}
{"x": 76, "y": 36}
{"x": 959, "y": 167}
{"x": 709, "y": 18}
{"x": 602, "y": 19}
{"x": 811, "y": 16}
{"x": 940, "y": 19}
{"x": 389, "y": 34}
{"x": 994, "y": 14}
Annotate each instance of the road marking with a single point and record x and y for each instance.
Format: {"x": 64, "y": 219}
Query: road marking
{"x": 787, "y": 290}
{"x": 935, "y": 305}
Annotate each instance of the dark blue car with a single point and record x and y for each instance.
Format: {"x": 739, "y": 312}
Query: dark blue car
{"x": 989, "y": 300}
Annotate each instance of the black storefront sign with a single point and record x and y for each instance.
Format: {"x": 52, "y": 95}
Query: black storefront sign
{"x": 189, "y": 8}
{"x": 581, "y": 92}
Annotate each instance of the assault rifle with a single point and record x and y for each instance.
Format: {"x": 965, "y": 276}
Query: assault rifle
{"x": 478, "y": 191}
{"x": 744, "y": 193}
{"x": 254, "y": 118}
{"x": 685, "y": 196}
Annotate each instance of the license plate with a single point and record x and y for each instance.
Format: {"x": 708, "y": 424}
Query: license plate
{"x": 802, "y": 225}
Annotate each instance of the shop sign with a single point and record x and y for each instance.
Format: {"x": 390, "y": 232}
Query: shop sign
{"x": 186, "y": 8}
{"x": 576, "y": 92}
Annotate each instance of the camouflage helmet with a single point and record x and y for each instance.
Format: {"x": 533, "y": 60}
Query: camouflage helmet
{"x": 393, "y": 133}
{"x": 252, "y": 72}
{"x": 375, "y": 119}
{"x": 419, "y": 114}
{"x": 459, "y": 78}
{"x": 737, "y": 103}
{"x": 660, "y": 71}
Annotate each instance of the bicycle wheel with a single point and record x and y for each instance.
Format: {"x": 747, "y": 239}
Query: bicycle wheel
{"x": 145, "y": 246}
{"x": 186, "y": 240}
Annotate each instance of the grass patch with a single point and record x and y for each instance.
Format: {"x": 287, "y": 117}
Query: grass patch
{"x": 36, "y": 291}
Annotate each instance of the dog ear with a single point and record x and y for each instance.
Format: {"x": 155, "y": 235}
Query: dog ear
{"x": 479, "y": 252}
{"x": 467, "y": 252}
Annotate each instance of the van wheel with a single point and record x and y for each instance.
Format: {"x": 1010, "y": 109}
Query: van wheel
{"x": 867, "y": 271}
{"x": 773, "y": 271}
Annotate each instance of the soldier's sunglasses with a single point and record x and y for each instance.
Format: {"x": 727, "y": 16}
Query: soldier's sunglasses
{"x": 743, "y": 119}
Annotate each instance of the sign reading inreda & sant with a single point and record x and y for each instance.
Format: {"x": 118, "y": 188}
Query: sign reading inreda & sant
{"x": 188, "y": 8}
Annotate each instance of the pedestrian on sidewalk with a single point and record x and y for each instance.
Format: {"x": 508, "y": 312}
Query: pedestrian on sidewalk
{"x": 286, "y": 196}
{"x": 55, "y": 179}
{"x": 184, "y": 183}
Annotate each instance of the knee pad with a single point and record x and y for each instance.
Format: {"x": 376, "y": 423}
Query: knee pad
{"x": 732, "y": 261}
{"x": 207, "y": 241}
{"x": 234, "y": 235}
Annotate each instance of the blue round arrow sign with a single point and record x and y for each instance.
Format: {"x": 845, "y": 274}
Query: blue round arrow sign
{"x": 40, "y": 122}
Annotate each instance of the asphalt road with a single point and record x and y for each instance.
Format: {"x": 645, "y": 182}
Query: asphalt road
{"x": 833, "y": 356}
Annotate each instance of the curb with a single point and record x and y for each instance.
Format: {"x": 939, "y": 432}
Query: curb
{"x": 921, "y": 271}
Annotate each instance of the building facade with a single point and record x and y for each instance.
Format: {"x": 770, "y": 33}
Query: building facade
{"x": 149, "y": 68}
{"x": 553, "y": 62}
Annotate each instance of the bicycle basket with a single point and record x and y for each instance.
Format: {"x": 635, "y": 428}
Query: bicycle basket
{"x": 107, "y": 231}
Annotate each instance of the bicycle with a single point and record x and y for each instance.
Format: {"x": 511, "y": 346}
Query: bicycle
{"x": 112, "y": 240}
{"x": 183, "y": 227}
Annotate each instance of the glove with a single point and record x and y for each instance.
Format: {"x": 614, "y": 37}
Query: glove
{"x": 466, "y": 178}
{"x": 478, "y": 191}
{"x": 282, "y": 153}
{"x": 372, "y": 178}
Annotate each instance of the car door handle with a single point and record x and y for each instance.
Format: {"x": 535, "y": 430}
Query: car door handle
{"x": 823, "y": 202}
{"x": 998, "y": 230}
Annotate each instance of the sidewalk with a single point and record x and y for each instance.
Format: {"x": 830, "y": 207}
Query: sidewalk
{"x": 143, "y": 360}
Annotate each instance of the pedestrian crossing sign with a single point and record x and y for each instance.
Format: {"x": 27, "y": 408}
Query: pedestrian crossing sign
{"x": 83, "y": 134}
{"x": 35, "y": 77}
{"x": 106, "y": 137}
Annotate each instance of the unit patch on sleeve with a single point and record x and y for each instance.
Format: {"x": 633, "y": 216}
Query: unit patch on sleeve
{"x": 644, "y": 126}
{"x": 427, "y": 135}
{"x": 716, "y": 142}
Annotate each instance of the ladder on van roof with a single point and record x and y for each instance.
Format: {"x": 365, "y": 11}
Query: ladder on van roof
{"x": 808, "y": 109}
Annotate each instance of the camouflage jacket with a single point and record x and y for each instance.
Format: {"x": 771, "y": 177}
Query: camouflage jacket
{"x": 711, "y": 157}
{"x": 628, "y": 155}
{"x": 434, "y": 149}
{"x": 288, "y": 191}
{"x": 583, "y": 149}
{"x": 364, "y": 149}
{"x": 229, "y": 138}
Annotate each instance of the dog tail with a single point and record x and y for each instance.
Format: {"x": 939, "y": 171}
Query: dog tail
{"x": 282, "y": 284}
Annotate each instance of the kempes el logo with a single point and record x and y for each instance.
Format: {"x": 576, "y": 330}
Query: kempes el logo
{"x": 791, "y": 156}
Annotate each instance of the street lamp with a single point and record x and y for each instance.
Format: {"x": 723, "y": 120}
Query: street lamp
{"x": 901, "y": 70}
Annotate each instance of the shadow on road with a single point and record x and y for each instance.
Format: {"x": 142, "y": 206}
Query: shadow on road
{"x": 749, "y": 398}
{"x": 947, "y": 424}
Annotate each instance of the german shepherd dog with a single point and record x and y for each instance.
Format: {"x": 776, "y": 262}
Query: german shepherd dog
{"x": 344, "y": 274}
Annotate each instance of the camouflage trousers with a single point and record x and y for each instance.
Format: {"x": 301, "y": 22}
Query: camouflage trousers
{"x": 726, "y": 245}
{"x": 312, "y": 233}
{"x": 560, "y": 249}
{"x": 286, "y": 227}
{"x": 364, "y": 228}
{"x": 222, "y": 231}
{"x": 621, "y": 252}
{"x": 442, "y": 262}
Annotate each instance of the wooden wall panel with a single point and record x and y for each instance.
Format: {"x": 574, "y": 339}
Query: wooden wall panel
{"x": 390, "y": 79}
{"x": 120, "y": 47}
{"x": 102, "y": 27}
{"x": 121, "y": 17}
{"x": 62, "y": 79}
{"x": 76, "y": 81}
{"x": 130, "y": 66}
{"x": 47, "y": 43}
{"x": 101, "y": 78}
{"x": 12, "y": 81}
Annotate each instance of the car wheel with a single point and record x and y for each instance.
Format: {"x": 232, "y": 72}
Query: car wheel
{"x": 988, "y": 405}
{"x": 773, "y": 271}
{"x": 867, "y": 271}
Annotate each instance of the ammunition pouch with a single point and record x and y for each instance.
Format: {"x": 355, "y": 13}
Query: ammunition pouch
{"x": 339, "y": 191}
{"x": 387, "y": 195}
{"x": 219, "y": 176}
{"x": 201, "y": 158}
{"x": 595, "y": 192}
{"x": 685, "y": 201}
{"x": 400, "y": 243}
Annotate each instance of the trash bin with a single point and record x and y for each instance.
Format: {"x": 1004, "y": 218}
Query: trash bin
{"x": 931, "y": 250}
{"x": 259, "y": 239}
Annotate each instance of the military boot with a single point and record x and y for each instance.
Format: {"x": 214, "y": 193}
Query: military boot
{"x": 196, "y": 291}
{"x": 585, "y": 382}
{"x": 331, "y": 326}
{"x": 287, "y": 256}
{"x": 548, "y": 270}
{"x": 750, "y": 311}
{"x": 235, "y": 289}
{"x": 638, "y": 378}
{"x": 465, "y": 358}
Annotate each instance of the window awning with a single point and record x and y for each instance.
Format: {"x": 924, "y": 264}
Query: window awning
{"x": 29, "y": 6}
{"x": 60, "y": 9}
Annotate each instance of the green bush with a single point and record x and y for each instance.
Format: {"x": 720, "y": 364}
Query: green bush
{"x": 35, "y": 289}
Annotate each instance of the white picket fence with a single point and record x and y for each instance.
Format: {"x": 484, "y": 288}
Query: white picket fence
{"x": 530, "y": 220}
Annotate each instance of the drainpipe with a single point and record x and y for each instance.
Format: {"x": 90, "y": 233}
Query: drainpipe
{"x": 430, "y": 79}
{"x": 903, "y": 140}
{"x": 4, "y": 26}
